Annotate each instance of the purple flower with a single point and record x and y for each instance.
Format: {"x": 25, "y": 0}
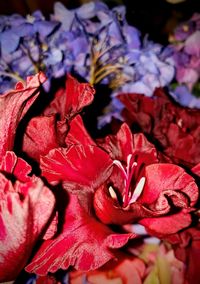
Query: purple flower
{"x": 182, "y": 95}
{"x": 186, "y": 46}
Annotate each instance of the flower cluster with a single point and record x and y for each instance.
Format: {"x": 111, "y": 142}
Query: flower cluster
{"x": 92, "y": 41}
{"x": 186, "y": 45}
{"x": 182, "y": 82}
{"x": 80, "y": 201}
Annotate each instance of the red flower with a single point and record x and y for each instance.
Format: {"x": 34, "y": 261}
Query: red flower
{"x": 26, "y": 206}
{"x": 158, "y": 196}
{"x": 118, "y": 181}
{"x": 83, "y": 243}
{"x": 48, "y": 131}
{"x": 174, "y": 128}
{"x": 13, "y": 107}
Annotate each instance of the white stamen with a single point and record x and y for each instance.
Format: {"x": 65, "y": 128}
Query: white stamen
{"x": 112, "y": 192}
{"x": 138, "y": 190}
{"x": 119, "y": 165}
{"x": 128, "y": 161}
{"x": 180, "y": 123}
{"x": 134, "y": 165}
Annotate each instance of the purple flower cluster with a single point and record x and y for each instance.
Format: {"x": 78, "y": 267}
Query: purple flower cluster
{"x": 177, "y": 67}
{"x": 185, "y": 44}
{"x": 24, "y": 47}
{"x": 92, "y": 41}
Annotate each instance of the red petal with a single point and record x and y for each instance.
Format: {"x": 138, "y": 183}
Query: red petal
{"x": 120, "y": 145}
{"x": 25, "y": 211}
{"x": 162, "y": 177}
{"x": 174, "y": 128}
{"x": 196, "y": 170}
{"x": 72, "y": 99}
{"x": 40, "y": 136}
{"x": 13, "y": 106}
{"x": 159, "y": 179}
{"x": 18, "y": 167}
{"x": 109, "y": 211}
{"x": 193, "y": 266}
{"x": 77, "y": 166}
{"x": 187, "y": 248}
{"x": 77, "y": 133}
{"x": 124, "y": 143}
{"x": 84, "y": 243}
{"x": 166, "y": 225}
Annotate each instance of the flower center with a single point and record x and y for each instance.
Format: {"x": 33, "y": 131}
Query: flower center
{"x": 129, "y": 196}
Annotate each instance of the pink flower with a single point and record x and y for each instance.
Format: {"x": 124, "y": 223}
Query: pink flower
{"x": 124, "y": 271}
{"x": 26, "y": 206}
{"x": 161, "y": 264}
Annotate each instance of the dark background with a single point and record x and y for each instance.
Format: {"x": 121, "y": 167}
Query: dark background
{"x": 155, "y": 17}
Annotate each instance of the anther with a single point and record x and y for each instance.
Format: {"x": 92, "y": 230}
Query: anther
{"x": 112, "y": 192}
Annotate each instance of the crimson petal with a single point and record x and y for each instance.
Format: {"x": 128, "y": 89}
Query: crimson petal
{"x": 84, "y": 243}
{"x": 166, "y": 225}
{"x": 124, "y": 143}
{"x": 160, "y": 179}
{"x": 109, "y": 210}
{"x": 77, "y": 133}
{"x": 77, "y": 166}
{"x": 72, "y": 99}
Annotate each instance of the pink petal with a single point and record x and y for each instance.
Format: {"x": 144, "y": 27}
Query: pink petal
{"x": 40, "y": 136}
{"x": 25, "y": 211}
{"x": 13, "y": 107}
{"x": 11, "y": 164}
{"x": 84, "y": 243}
{"x": 192, "y": 44}
{"x": 124, "y": 271}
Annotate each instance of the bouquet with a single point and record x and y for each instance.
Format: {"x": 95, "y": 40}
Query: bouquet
{"x": 120, "y": 206}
